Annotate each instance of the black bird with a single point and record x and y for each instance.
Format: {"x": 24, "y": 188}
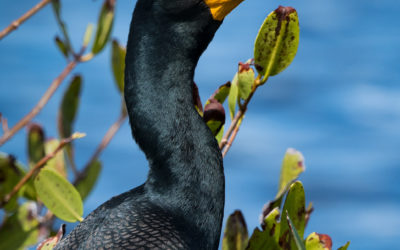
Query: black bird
{"x": 180, "y": 206}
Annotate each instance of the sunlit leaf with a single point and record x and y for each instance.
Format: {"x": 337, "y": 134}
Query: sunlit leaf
{"x": 271, "y": 224}
{"x": 292, "y": 166}
{"x": 221, "y": 93}
{"x": 56, "y": 163}
{"x": 36, "y": 139}
{"x": 88, "y": 35}
{"x": 51, "y": 242}
{"x": 317, "y": 241}
{"x": 245, "y": 79}
{"x": 85, "y": 184}
{"x": 295, "y": 235}
{"x": 295, "y": 207}
{"x": 345, "y": 246}
{"x": 21, "y": 229}
{"x": 233, "y": 96}
{"x": 118, "y": 54}
{"x": 220, "y": 134}
{"x": 104, "y": 26}
{"x": 235, "y": 235}
{"x": 277, "y": 41}
{"x": 59, "y": 196}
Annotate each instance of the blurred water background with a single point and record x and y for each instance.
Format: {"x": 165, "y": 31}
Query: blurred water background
{"x": 338, "y": 103}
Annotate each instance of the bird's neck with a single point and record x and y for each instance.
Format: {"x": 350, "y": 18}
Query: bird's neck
{"x": 186, "y": 171}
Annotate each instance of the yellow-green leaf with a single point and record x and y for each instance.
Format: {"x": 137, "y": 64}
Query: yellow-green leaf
{"x": 51, "y": 242}
{"x": 233, "y": 96}
{"x": 262, "y": 240}
{"x": 277, "y": 41}
{"x": 104, "y": 26}
{"x": 59, "y": 196}
{"x": 220, "y": 134}
{"x": 292, "y": 166}
{"x": 271, "y": 224}
{"x": 245, "y": 79}
{"x": 88, "y": 35}
{"x": 89, "y": 179}
{"x": 221, "y": 93}
{"x": 21, "y": 229}
{"x": 295, "y": 204}
{"x": 295, "y": 235}
{"x": 36, "y": 139}
{"x": 56, "y": 163}
{"x": 345, "y": 246}
{"x": 118, "y": 54}
{"x": 317, "y": 241}
{"x": 235, "y": 235}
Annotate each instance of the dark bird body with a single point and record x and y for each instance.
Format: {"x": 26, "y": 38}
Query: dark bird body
{"x": 180, "y": 206}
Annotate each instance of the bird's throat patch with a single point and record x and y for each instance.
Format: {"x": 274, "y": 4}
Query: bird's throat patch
{"x": 221, "y": 8}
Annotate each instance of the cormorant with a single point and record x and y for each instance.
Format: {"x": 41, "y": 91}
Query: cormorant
{"x": 181, "y": 204}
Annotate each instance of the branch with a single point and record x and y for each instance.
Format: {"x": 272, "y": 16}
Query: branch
{"x": 38, "y": 166}
{"x": 39, "y": 106}
{"x": 103, "y": 144}
{"x": 230, "y": 136}
{"x": 14, "y": 25}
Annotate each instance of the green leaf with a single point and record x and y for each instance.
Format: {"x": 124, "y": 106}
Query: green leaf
{"x": 214, "y": 116}
{"x": 233, "y": 96}
{"x": 220, "y": 134}
{"x": 68, "y": 112}
{"x": 345, "y": 246}
{"x": 21, "y": 229}
{"x": 295, "y": 204}
{"x": 295, "y": 234}
{"x": 292, "y": 166}
{"x": 56, "y": 163}
{"x": 51, "y": 242}
{"x": 245, "y": 79}
{"x": 221, "y": 93}
{"x": 36, "y": 139}
{"x": 277, "y": 42}
{"x": 67, "y": 48}
{"x": 61, "y": 46}
{"x": 59, "y": 196}
{"x": 88, "y": 35}
{"x": 118, "y": 54}
{"x": 235, "y": 235}
{"x": 271, "y": 224}
{"x": 69, "y": 107}
{"x": 11, "y": 171}
{"x": 104, "y": 26}
{"x": 317, "y": 241}
{"x": 89, "y": 179}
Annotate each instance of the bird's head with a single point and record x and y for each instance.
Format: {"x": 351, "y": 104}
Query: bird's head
{"x": 187, "y": 24}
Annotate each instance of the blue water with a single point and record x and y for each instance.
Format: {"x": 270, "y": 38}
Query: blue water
{"x": 338, "y": 103}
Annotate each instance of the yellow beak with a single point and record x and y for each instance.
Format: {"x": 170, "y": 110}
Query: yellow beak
{"x": 221, "y": 8}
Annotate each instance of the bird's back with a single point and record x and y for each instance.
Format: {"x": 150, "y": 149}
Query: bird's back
{"x": 130, "y": 221}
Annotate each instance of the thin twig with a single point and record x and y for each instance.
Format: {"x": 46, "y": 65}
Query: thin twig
{"x": 4, "y": 123}
{"x": 39, "y": 106}
{"x": 231, "y": 139}
{"x": 38, "y": 166}
{"x": 103, "y": 144}
{"x": 14, "y": 25}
